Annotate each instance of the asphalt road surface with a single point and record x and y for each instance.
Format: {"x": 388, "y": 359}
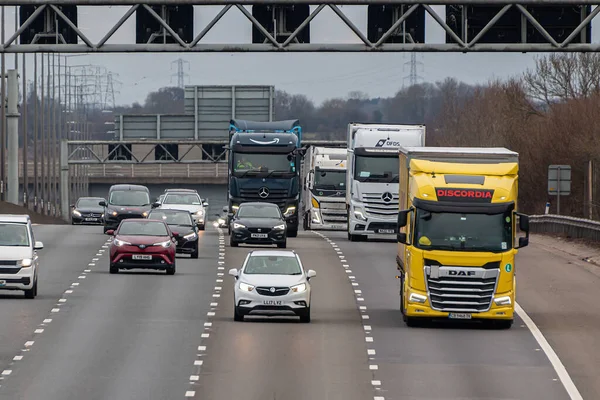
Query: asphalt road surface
{"x": 144, "y": 335}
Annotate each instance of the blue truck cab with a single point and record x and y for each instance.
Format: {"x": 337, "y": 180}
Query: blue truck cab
{"x": 264, "y": 164}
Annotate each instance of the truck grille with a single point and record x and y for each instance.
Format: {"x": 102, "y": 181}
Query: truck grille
{"x": 274, "y": 194}
{"x": 279, "y": 291}
{"x": 334, "y": 212}
{"x": 377, "y": 206}
{"x": 461, "y": 289}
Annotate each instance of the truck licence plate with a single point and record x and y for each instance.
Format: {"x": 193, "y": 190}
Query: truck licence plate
{"x": 385, "y": 231}
{"x": 141, "y": 257}
{"x": 459, "y": 316}
{"x": 259, "y": 235}
{"x": 272, "y": 302}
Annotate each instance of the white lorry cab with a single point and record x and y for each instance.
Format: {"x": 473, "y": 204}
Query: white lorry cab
{"x": 324, "y": 194}
{"x": 372, "y": 177}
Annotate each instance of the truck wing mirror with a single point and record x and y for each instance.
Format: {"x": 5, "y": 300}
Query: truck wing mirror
{"x": 523, "y": 242}
{"x": 403, "y": 217}
{"x": 401, "y": 236}
{"x": 523, "y": 222}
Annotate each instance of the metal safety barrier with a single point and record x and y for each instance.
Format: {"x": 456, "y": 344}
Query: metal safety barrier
{"x": 561, "y": 224}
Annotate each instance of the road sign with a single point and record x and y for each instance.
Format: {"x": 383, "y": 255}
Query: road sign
{"x": 559, "y": 180}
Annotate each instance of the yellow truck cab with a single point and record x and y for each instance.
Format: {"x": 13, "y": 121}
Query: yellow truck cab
{"x": 457, "y": 232}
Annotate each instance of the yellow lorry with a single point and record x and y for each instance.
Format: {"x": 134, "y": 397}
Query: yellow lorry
{"x": 457, "y": 228}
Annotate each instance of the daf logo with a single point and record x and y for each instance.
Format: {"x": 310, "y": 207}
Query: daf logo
{"x": 263, "y": 192}
{"x": 461, "y": 273}
{"x": 387, "y": 197}
{"x": 272, "y": 290}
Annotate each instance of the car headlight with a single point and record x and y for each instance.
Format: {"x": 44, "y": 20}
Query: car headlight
{"x": 163, "y": 244}
{"x": 120, "y": 243}
{"x": 221, "y": 221}
{"x": 238, "y": 226}
{"x": 26, "y": 262}
{"x": 246, "y": 287}
{"x": 102, "y": 216}
{"x": 289, "y": 211}
{"x": 234, "y": 207}
{"x": 299, "y": 288}
{"x": 359, "y": 214}
{"x": 282, "y": 226}
{"x": 200, "y": 213}
{"x": 114, "y": 213}
{"x": 190, "y": 236}
{"x": 144, "y": 214}
{"x": 76, "y": 213}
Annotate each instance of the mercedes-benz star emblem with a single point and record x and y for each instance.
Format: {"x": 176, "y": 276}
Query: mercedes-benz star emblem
{"x": 272, "y": 290}
{"x": 387, "y": 197}
{"x": 263, "y": 192}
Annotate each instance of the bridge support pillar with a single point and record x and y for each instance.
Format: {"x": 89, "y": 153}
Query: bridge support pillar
{"x": 64, "y": 181}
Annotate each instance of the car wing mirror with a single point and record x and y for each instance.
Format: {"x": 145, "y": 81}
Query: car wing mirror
{"x": 175, "y": 234}
{"x": 102, "y": 203}
{"x": 155, "y": 204}
{"x": 234, "y": 272}
{"x": 110, "y": 232}
{"x": 38, "y": 246}
{"x": 205, "y": 204}
{"x": 310, "y": 274}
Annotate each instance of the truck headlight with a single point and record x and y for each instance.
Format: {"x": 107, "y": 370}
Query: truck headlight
{"x": 359, "y": 214}
{"x": 502, "y": 301}
{"x": 289, "y": 211}
{"x": 246, "y": 287}
{"x": 417, "y": 298}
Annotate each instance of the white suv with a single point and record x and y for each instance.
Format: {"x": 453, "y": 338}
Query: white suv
{"x": 18, "y": 255}
{"x": 272, "y": 282}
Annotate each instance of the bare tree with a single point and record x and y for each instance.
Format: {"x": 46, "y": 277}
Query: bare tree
{"x": 563, "y": 76}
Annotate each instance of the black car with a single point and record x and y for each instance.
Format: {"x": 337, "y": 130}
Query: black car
{"x": 124, "y": 202}
{"x": 180, "y": 221}
{"x": 87, "y": 210}
{"x": 258, "y": 223}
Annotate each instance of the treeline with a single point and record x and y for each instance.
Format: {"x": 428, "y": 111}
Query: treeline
{"x": 547, "y": 115}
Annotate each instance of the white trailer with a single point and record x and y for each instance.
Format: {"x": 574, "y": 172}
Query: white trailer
{"x": 324, "y": 194}
{"x": 372, "y": 177}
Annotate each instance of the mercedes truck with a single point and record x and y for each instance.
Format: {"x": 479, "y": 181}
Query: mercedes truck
{"x": 324, "y": 192}
{"x": 372, "y": 178}
{"x": 263, "y": 166}
{"x": 457, "y": 237}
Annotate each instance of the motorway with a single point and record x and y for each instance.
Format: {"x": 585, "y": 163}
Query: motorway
{"x": 139, "y": 335}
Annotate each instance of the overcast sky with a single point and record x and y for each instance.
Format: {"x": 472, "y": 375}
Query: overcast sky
{"x": 318, "y": 75}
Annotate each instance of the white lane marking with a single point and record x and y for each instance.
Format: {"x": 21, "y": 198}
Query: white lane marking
{"x": 220, "y": 274}
{"x": 363, "y": 307}
{"x": 75, "y": 284}
{"x": 367, "y": 327}
{"x": 198, "y": 362}
{"x": 371, "y": 352}
{"x": 7, "y": 372}
{"x": 91, "y": 264}
{"x": 62, "y": 300}
{"x": 219, "y": 280}
{"x": 346, "y": 265}
{"x": 348, "y": 271}
{"x": 217, "y": 287}
{"x": 38, "y": 331}
{"x": 357, "y": 291}
{"x": 68, "y": 291}
{"x": 17, "y": 358}
{"x": 376, "y": 383}
{"x": 47, "y": 321}
{"x": 81, "y": 276}
{"x": 378, "y": 398}
{"x": 210, "y": 314}
{"x": 194, "y": 377}
{"x": 560, "y": 369}
{"x": 201, "y": 348}
{"x": 354, "y": 284}
{"x": 55, "y": 310}
{"x": 29, "y": 344}
{"x": 351, "y": 277}
{"x": 214, "y": 304}
{"x": 87, "y": 270}
{"x": 205, "y": 335}
{"x": 364, "y": 316}
{"x": 94, "y": 259}
{"x": 190, "y": 393}
{"x": 368, "y": 339}
{"x": 373, "y": 367}
{"x": 216, "y": 295}
{"x": 208, "y": 323}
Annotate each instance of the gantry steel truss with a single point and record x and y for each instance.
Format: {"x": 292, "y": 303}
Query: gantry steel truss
{"x": 74, "y": 149}
{"x": 290, "y": 45}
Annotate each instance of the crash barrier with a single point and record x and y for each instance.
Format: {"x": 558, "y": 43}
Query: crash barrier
{"x": 564, "y": 225}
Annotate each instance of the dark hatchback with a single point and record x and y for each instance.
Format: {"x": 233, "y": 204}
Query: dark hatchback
{"x": 125, "y": 202}
{"x": 180, "y": 221}
{"x": 258, "y": 223}
{"x": 87, "y": 210}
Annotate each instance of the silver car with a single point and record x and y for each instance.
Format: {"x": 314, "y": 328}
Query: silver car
{"x": 187, "y": 201}
{"x": 272, "y": 282}
{"x": 19, "y": 261}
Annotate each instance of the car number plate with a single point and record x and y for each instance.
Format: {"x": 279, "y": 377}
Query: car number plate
{"x": 91, "y": 219}
{"x": 459, "y": 316}
{"x": 385, "y": 231}
{"x": 272, "y": 302}
{"x": 2, "y": 283}
{"x": 259, "y": 235}
{"x": 141, "y": 257}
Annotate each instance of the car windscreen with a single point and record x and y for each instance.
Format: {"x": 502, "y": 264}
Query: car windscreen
{"x": 129, "y": 198}
{"x": 14, "y": 235}
{"x": 182, "y": 198}
{"x": 258, "y": 211}
{"x": 272, "y": 265}
{"x": 89, "y": 203}
{"x": 180, "y": 218}
{"x": 143, "y": 228}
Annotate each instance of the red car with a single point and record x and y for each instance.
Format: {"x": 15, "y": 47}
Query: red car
{"x": 143, "y": 243}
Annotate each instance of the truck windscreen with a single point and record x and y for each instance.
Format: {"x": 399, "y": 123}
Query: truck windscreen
{"x": 463, "y": 232}
{"x": 330, "y": 180}
{"x": 251, "y": 164}
{"x": 376, "y": 168}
